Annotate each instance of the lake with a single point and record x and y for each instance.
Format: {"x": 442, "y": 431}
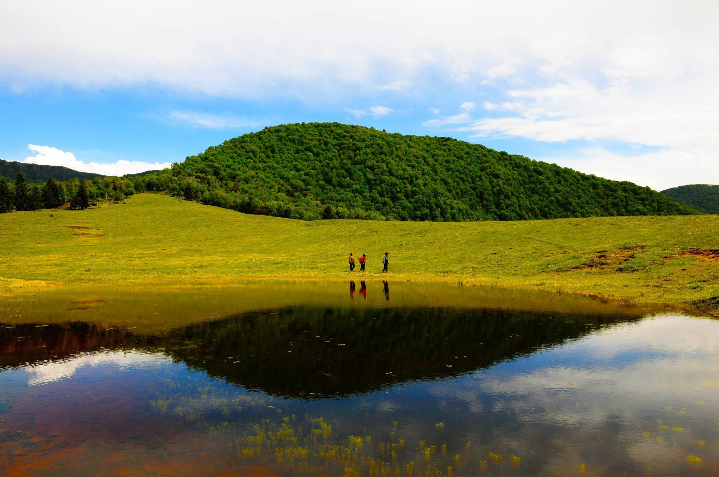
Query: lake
{"x": 353, "y": 378}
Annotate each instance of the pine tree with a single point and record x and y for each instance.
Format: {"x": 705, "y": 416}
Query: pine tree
{"x": 328, "y": 213}
{"x": 81, "y": 199}
{"x": 35, "y": 201}
{"x": 22, "y": 198}
{"x": 6, "y": 198}
{"x": 53, "y": 193}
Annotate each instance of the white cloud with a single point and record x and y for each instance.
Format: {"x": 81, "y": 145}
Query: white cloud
{"x": 278, "y": 47}
{"x": 399, "y": 85}
{"x": 467, "y": 107}
{"x": 50, "y": 156}
{"x": 461, "y": 118}
{"x": 378, "y": 111}
{"x": 212, "y": 121}
{"x": 374, "y": 111}
{"x": 502, "y": 70}
{"x": 434, "y": 111}
{"x": 674, "y": 118}
{"x": 659, "y": 170}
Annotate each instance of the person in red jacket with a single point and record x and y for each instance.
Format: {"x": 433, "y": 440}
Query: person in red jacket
{"x": 363, "y": 261}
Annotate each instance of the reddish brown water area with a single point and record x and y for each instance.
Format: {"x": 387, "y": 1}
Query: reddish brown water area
{"x": 59, "y": 429}
{"x": 190, "y": 458}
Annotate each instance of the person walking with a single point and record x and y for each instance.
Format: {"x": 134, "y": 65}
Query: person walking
{"x": 385, "y": 261}
{"x": 363, "y": 261}
{"x": 352, "y": 262}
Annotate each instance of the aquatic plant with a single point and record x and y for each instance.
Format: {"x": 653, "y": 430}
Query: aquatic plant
{"x": 356, "y": 442}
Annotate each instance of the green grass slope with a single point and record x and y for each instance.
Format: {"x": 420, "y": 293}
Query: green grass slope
{"x": 159, "y": 240}
{"x": 331, "y": 170}
{"x": 38, "y": 173}
{"x": 702, "y": 197}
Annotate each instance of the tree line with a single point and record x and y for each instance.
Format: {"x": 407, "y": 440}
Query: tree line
{"x": 74, "y": 193}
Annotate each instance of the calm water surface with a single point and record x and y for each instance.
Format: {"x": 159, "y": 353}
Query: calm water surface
{"x": 335, "y": 379}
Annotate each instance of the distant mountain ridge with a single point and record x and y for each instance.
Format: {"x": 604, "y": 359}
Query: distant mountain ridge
{"x": 703, "y": 197}
{"x": 38, "y": 173}
{"x": 332, "y": 170}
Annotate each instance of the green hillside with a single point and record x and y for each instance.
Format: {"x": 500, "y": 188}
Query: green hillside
{"x": 702, "y": 197}
{"x": 37, "y": 173}
{"x": 331, "y": 170}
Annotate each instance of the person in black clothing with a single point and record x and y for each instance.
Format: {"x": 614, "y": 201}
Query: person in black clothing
{"x": 385, "y": 261}
{"x": 352, "y": 262}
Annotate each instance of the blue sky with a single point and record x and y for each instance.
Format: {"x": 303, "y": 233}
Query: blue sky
{"x": 624, "y": 90}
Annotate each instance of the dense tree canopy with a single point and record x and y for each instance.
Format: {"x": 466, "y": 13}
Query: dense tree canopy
{"x": 703, "y": 197}
{"x": 331, "y": 170}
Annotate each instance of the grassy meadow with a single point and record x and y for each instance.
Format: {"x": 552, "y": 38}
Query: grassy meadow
{"x": 154, "y": 240}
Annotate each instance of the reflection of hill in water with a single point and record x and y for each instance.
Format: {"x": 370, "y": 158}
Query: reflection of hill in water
{"x": 315, "y": 352}
{"x": 32, "y": 344}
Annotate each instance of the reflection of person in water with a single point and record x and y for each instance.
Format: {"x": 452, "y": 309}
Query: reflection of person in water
{"x": 352, "y": 290}
{"x": 363, "y": 289}
{"x": 386, "y": 290}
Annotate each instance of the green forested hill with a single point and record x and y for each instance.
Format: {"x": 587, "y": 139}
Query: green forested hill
{"x": 38, "y": 173}
{"x": 328, "y": 170}
{"x": 702, "y": 197}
